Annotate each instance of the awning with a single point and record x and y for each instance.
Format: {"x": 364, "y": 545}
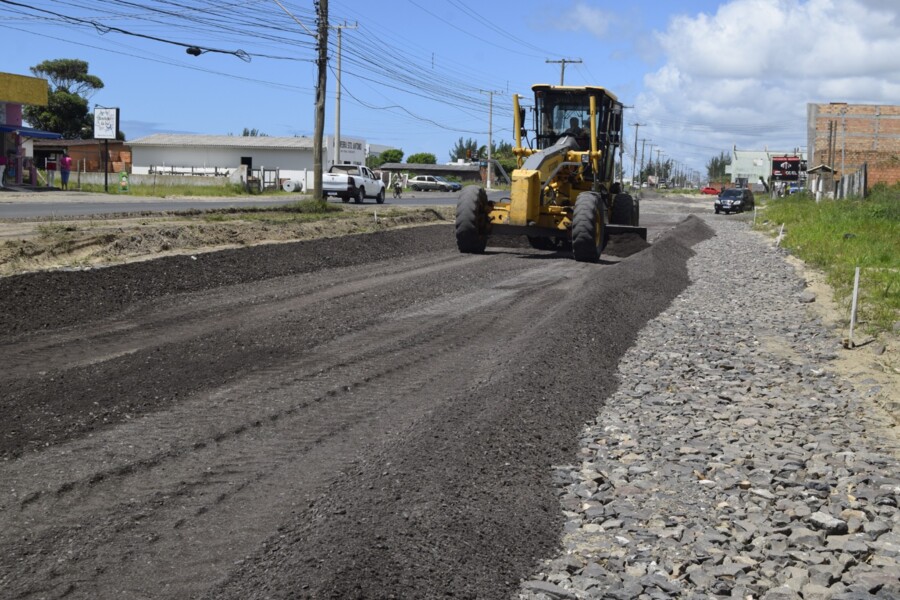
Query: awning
{"x": 31, "y": 132}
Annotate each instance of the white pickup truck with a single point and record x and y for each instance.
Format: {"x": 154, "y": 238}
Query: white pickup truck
{"x": 352, "y": 181}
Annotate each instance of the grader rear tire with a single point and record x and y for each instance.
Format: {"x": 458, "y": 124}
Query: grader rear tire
{"x": 472, "y": 220}
{"x": 589, "y": 234}
{"x": 624, "y": 210}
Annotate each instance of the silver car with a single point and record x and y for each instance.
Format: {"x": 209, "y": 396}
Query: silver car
{"x": 427, "y": 183}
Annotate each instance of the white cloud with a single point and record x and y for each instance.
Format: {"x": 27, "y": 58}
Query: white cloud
{"x": 745, "y": 74}
{"x": 581, "y": 17}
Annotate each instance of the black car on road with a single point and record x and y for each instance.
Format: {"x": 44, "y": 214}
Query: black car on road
{"x": 734, "y": 200}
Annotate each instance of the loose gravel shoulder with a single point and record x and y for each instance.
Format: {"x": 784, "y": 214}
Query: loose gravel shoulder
{"x": 733, "y": 462}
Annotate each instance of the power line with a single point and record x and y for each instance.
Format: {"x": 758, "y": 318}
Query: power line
{"x": 101, "y": 28}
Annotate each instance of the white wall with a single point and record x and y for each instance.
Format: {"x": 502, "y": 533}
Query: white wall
{"x": 143, "y": 157}
{"x": 353, "y": 151}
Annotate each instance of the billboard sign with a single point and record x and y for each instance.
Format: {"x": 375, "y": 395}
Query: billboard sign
{"x": 106, "y": 123}
{"x": 786, "y": 168}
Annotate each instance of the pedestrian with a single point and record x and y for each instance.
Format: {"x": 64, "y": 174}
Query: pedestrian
{"x": 65, "y": 165}
{"x": 2, "y": 169}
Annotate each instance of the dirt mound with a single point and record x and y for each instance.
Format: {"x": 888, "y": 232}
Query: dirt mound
{"x": 108, "y": 240}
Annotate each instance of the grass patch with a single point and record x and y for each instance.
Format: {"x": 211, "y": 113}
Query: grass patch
{"x": 836, "y": 236}
{"x": 166, "y": 191}
{"x": 303, "y": 211}
{"x": 50, "y": 230}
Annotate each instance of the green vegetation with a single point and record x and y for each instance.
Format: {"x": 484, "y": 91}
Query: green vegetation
{"x": 836, "y": 236}
{"x": 302, "y": 211}
{"x": 392, "y": 155}
{"x": 715, "y": 167}
{"x": 167, "y": 191}
{"x": 67, "y": 111}
{"x": 422, "y": 158}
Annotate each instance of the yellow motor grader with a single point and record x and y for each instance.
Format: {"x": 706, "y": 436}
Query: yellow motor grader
{"x": 563, "y": 195}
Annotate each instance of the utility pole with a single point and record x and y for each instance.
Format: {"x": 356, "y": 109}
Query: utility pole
{"x": 634, "y": 157}
{"x": 843, "y": 137}
{"x": 490, "y": 94}
{"x": 658, "y": 165}
{"x": 641, "y": 172}
{"x": 562, "y": 72}
{"x": 337, "y": 107}
{"x": 322, "y": 67}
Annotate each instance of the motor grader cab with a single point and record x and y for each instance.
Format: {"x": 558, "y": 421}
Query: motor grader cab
{"x": 563, "y": 195}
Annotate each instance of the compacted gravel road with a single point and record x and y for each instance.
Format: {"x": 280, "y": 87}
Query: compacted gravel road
{"x": 371, "y": 416}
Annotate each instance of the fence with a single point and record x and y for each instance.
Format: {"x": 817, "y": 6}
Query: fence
{"x": 854, "y": 184}
{"x": 194, "y": 171}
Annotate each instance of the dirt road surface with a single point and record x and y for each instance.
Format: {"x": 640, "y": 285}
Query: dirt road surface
{"x": 372, "y": 416}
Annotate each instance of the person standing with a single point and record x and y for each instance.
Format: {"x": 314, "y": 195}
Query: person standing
{"x": 65, "y": 165}
{"x": 2, "y": 169}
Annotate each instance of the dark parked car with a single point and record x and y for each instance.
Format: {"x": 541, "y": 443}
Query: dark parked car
{"x": 734, "y": 200}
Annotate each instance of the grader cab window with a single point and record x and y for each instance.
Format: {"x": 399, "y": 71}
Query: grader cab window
{"x": 561, "y": 112}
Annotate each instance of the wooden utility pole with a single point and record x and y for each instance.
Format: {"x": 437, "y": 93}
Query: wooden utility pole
{"x": 337, "y": 91}
{"x": 634, "y": 157}
{"x": 490, "y": 94}
{"x": 322, "y": 66}
{"x": 562, "y": 72}
{"x": 641, "y": 172}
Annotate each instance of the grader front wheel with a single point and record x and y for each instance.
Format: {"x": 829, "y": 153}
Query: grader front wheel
{"x": 588, "y": 227}
{"x": 471, "y": 220}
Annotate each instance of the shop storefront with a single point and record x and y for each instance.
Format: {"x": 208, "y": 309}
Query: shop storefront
{"x": 17, "y": 162}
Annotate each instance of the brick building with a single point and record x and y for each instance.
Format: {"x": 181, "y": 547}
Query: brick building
{"x": 844, "y": 136}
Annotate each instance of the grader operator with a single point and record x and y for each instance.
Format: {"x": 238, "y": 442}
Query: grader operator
{"x": 563, "y": 195}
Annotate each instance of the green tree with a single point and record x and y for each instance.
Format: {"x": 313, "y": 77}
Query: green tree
{"x": 71, "y": 86}
{"x": 464, "y": 149}
{"x": 374, "y": 161}
{"x": 715, "y": 167}
{"x": 422, "y": 158}
{"x": 392, "y": 155}
{"x": 503, "y": 154}
{"x": 253, "y": 133}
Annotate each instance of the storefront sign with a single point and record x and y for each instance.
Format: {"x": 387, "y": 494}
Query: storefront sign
{"x": 786, "y": 168}
{"x": 106, "y": 123}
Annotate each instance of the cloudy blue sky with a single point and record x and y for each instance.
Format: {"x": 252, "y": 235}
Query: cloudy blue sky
{"x": 700, "y": 75}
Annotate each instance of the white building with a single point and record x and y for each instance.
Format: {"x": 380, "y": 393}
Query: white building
{"x": 748, "y": 167}
{"x": 193, "y": 154}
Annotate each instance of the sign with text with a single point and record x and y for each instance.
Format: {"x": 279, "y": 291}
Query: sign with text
{"x": 786, "y": 168}
{"x": 106, "y": 123}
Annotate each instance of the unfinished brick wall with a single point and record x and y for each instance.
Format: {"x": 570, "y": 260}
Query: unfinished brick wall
{"x": 848, "y": 135}
{"x": 886, "y": 171}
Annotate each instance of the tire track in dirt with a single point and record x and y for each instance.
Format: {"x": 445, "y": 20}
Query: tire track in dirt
{"x": 153, "y": 325}
{"x": 243, "y": 464}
